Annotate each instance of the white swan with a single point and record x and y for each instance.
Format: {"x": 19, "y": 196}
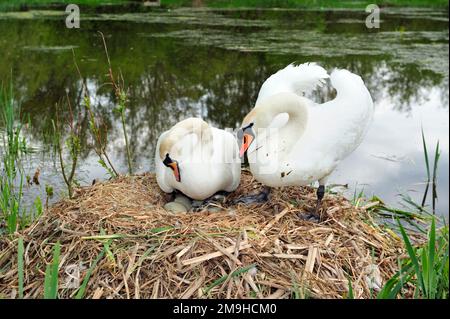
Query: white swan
{"x": 197, "y": 159}
{"x": 290, "y": 140}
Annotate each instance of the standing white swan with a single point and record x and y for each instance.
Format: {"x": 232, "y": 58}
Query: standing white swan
{"x": 290, "y": 140}
{"x": 197, "y": 159}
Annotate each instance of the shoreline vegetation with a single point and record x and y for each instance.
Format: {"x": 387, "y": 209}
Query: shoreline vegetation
{"x": 8, "y": 5}
{"x": 119, "y": 241}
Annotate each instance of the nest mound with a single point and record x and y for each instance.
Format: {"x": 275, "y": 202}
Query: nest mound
{"x": 242, "y": 251}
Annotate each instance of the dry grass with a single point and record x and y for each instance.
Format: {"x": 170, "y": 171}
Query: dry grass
{"x": 156, "y": 254}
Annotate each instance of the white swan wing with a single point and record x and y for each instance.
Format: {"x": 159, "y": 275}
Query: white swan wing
{"x": 353, "y": 103}
{"x": 226, "y": 161}
{"x": 350, "y": 87}
{"x": 332, "y": 131}
{"x": 336, "y": 128}
{"x": 201, "y": 177}
{"x": 296, "y": 79}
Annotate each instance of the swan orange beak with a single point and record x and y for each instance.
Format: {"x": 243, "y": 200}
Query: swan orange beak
{"x": 247, "y": 140}
{"x": 176, "y": 170}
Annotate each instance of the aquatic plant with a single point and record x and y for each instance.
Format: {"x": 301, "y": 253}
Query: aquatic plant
{"x": 82, "y": 290}
{"x": 409, "y": 211}
{"x": 122, "y": 97}
{"x": 73, "y": 145}
{"x": 12, "y": 175}
{"x": 49, "y": 194}
{"x": 99, "y": 132}
{"x": 431, "y": 178}
{"x": 426, "y": 267}
{"x": 358, "y": 197}
{"x": 51, "y": 275}
{"x": 20, "y": 267}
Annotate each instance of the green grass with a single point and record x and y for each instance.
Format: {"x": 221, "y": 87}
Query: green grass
{"x": 8, "y": 5}
{"x": 81, "y": 2}
{"x": 426, "y": 267}
{"x": 222, "y": 279}
{"x": 51, "y": 2}
{"x": 51, "y": 275}
{"x": 12, "y": 5}
{"x": 431, "y": 177}
{"x": 51, "y": 284}
{"x": 20, "y": 267}
{"x": 309, "y": 4}
{"x": 81, "y": 291}
{"x": 299, "y": 289}
{"x": 411, "y": 211}
{"x": 11, "y": 175}
{"x": 13, "y": 147}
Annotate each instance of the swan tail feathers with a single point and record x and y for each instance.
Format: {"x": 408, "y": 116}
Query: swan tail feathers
{"x": 352, "y": 85}
{"x": 298, "y": 79}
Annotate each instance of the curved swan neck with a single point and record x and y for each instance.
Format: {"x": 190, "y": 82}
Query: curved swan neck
{"x": 200, "y": 128}
{"x": 295, "y": 106}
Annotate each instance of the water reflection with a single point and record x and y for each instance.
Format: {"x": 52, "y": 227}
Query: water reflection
{"x": 211, "y": 64}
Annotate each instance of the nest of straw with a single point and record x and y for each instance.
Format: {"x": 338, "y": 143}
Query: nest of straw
{"x": 241, "y": 251}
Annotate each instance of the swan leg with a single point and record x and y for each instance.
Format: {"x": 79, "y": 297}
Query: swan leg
{"x": 262, "y": 197}
{"x": 315, "y": 214}
{"x": 320, "y": 194}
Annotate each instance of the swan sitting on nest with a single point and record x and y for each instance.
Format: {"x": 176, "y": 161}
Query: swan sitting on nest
{"x": 290, "y": 140}
{"x": 197, "y": 160}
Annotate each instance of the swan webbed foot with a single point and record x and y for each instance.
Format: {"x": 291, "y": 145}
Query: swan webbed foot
{"x": 262, "y": 197}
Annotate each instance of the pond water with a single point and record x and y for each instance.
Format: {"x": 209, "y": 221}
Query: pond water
{"x": 211, "y": 63}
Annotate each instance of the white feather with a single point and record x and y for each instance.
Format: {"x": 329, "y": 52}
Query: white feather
{"x": 329, "y": 132}
{"x": 201, "y": 175}
{"x": 298, "y": 79}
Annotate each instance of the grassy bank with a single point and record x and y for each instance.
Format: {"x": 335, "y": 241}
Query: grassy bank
{"x": 307, "y": 4}
{"x": 13, "y": 5}
{"x": 50, "y": 2}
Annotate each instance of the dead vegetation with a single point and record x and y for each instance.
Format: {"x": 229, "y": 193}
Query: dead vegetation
{"x": 259, "y": 251}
